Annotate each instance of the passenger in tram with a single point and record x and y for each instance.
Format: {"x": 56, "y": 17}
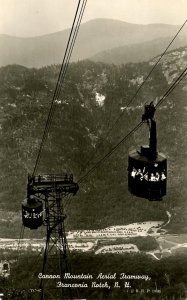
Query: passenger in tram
{"x": 153, "y": 178}
{"x": 157, "y": 177}
{"x": 139, "y": 174}
{"x": 163, "y": 177}
{"x": 133, "y": 173}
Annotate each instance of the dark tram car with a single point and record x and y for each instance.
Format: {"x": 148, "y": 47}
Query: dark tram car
{"x": 147, "y": 178}
{"x": 147, "y": 168}
{"x": 32, "y": 213}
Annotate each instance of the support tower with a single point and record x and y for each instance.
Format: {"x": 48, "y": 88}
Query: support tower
{"x": 45, "y": 205}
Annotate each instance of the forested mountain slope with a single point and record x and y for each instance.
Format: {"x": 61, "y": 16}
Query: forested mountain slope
{"x": 93, "y": 96}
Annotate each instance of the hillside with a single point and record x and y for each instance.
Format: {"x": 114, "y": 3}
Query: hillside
{"x": 94, "y": 37}
{"x": 137, "y": 52}
{"x": 93, "y": 96}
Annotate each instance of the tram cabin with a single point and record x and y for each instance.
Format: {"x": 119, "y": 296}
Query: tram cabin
{"x": 147, "y": 178}
{"x": 32, "y": 213}
{"x": 147, "y": 169}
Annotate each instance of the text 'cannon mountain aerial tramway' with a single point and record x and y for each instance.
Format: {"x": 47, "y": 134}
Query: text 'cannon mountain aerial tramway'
{"x": 44, "y": 205}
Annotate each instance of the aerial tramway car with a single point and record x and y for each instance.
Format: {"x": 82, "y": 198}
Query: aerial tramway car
{"x": 39, "y": 188}
{"x": 147, "y": 168}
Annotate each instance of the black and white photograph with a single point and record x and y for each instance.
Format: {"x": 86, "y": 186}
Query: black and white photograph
{"x": 93, "y": 150}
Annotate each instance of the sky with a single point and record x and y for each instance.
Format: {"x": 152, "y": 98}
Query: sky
{"x": 26, "y": 18}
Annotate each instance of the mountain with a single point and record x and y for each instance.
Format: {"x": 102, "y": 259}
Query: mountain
{"x": 138, "y": 52}
{"x": 94, "y": 37}
{"x": 92, "y": 98}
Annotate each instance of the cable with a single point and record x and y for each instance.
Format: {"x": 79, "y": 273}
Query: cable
{"x": 133, "y": 97}
{"x": 59, "y": 85}
{"x": 110, "y": 152}
{"x": 57, "y": 89}
{"x": 70, "y": 51}
{"x": 69, "y": 48}
{"x": 103, "y": 159}
{"x": 74, "y": 37}
{"x": 163, "y": 98}
{"x": 176, "y": 82}
{"x": 65, "y": 65}
{"x": 53, "y": 99}
{"x": 172, "y": 87}
{"x": 61, "y": 75}
{"x": 66, "y": 203}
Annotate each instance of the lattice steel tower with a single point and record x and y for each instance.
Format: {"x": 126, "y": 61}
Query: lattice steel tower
{"x": 45, "y": 206}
